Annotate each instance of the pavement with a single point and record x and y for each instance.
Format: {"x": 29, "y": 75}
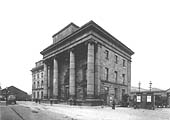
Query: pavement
{"x": 19, "y": 112}
{"x": 102, "y": 113}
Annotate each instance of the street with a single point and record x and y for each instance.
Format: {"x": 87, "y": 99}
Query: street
{"x": 19, "y": 112}
{"x": 26, "y": 110}
{"x": 102, "y": 113}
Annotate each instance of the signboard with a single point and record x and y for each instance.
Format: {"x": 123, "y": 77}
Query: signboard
{"x": 138, "y": 98}
{"x": 149, "y": 98}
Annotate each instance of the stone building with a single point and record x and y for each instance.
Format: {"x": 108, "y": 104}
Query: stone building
{"x": 86, "y": 64}
{"x": 37, "y": 80}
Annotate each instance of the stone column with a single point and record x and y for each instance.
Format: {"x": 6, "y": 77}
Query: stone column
{"x": 98, "y": 69}
{"x": 72, "y": 75}
{"x": 90, "y": 70}
{"x": 45, "y": 82}
{"x": 48, "y": 77}
{"x": 55, "y": 78}
{"x": 129, "y": 76}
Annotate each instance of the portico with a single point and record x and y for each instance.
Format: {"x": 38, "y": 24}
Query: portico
{"x": 64, "y": 73}
{"x": 80, "y": 64}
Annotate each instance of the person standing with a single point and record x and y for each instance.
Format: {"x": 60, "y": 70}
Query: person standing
{"x": 113, "y": 104}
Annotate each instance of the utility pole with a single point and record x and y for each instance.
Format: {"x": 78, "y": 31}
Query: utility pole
{"x": 139, "y": 85}
{"x": 150, "y": 86}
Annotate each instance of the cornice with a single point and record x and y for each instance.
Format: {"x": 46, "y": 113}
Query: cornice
{"x": 114, "y": 83}
{"x": 37, "y": 68}
{"x": 90, "y": 26}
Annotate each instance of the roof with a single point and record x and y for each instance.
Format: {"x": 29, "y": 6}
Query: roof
{"x": 168, "y": 90}
{"x": 71, "y": 24}
{"x": 13, "y": 88}
{"x": 91, "y": 25}
{"x": 136, "y": 89}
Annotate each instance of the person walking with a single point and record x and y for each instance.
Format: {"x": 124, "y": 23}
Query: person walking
{"x": 113, "y": 104}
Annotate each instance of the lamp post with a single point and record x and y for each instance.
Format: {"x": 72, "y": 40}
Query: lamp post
{"x": 139, "y": 85}
{"x": 150, "y": 86}
{"x": 6, "y": 94}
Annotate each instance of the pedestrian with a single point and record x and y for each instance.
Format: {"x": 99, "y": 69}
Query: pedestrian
{"x": 113, "y": 104}
{"x": 39, "y": 101}
{"x": 71, "y": 101}
{"x": 102, "y": 103}
{"x": 51, "y": 102}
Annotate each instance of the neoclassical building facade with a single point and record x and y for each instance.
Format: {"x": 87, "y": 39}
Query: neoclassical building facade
{"x": 86, "y": 64}
{"x": 37, "y": 80}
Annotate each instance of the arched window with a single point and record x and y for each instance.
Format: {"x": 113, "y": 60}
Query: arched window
{"x": 38, "y": 84}
{"x": 34, "y": 86}
{"x": 42, "y": 83}
{"x": 41, "y": 94}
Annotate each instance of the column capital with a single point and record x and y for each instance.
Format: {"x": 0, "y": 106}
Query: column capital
{"x": 55, "y": 57}
{"x": 91, "y": 41}
{"x": 71, "y": 50}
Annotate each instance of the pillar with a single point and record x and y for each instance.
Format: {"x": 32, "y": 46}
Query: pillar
{"x": 48, "y": 77}
{"x": 129, "y": 76}
{"x": 97, "y": 69}
{"x": 72, "y": 75}
{"x": 90, "y": 70}
{"x": 55, "y": 78}
{"x": 45, "y": 82}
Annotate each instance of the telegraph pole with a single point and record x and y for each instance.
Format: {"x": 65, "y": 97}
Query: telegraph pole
{"x": 139, "y": 85}
{"x": 150, "y": 86}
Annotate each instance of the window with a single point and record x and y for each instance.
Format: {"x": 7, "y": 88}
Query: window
{"x": 106, "y": 73}
{"x": 42, "y": 83}
{"x": 33, "y": 95}
{"x": 123, "y": 93}
{"x": 38, "y": 84}
{"x": 37, "y": 95}
{"x": 116, "y": 94}
{"x": 34, "y": 85}
{"x": 124, "y": 62}
{"x": 123, "y": 77}
{"x": 106, "y": 54}
{"x": 116, "y": 59}
{"x": 116, "y": 76}
{"x": 37, "y": 76}
{"x": 34, "y": 77}
{"x": 41, "y": 94}
{"x": 42, "y": 75}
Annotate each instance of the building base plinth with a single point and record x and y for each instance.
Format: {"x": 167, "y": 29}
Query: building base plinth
{"x": 93, "y": 102}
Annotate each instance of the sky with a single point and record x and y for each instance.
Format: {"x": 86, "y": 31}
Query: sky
{"x": 27, "y": 26}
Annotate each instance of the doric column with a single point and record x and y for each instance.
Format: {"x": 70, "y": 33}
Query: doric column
{"x": 55, "y": 78}
{"x": 48, "y": 76}
{"x": 72, "y": 75}
{"x": 97, "y": 69}
{"x": 45, "y": 82}
{"x": 90, "y": 70}
{"x": 129, "y": 75}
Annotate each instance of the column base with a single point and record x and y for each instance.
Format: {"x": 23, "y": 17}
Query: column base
{"x": 90, "y": 97}
{"x": 93, "y": 102}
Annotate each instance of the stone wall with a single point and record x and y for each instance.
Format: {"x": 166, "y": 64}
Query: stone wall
{"x": 110, "y": 64}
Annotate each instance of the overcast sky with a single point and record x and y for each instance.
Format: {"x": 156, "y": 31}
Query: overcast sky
{"x": 27, "y": 26}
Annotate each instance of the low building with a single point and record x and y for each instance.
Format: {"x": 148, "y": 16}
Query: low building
{"x": 161, "y": 97}
{"x": 19, "y": 94}
{"x": 168, "y": 97}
